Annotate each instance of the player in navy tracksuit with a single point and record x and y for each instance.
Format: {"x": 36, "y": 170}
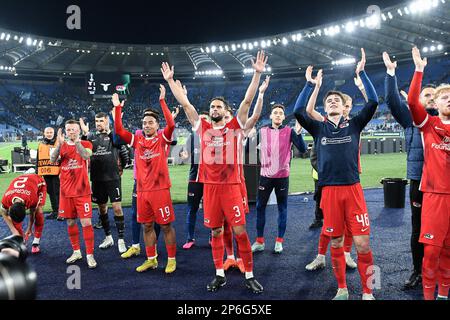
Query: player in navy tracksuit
{"x": 337, "y": 143}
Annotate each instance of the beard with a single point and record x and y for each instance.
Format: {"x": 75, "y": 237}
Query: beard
{"x": 217, "y": 119}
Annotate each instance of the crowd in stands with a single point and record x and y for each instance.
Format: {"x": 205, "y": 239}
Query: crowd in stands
{"x": 28, "y": 107}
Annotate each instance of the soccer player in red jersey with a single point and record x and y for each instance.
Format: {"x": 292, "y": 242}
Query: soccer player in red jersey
{"x": 219, "y": 171}
{"x": 231, "y": 261}
{"x": 27, "y": 191}
{"x": 75, "y": 192}
{"x": 154, "y": 203}
{"x": 435, "y": 183}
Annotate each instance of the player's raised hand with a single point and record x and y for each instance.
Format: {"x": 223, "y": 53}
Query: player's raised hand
{"x": 175, "y": 113}
{"x": 84, "y": 126}
{"x": 319, "y": 78}
{"x": 60, "y": 136}
{"x": 418, "y": 61}
{"x": 260, "y": 64}
{"x": 167, "y": 71}
{"x": 264, "y": 85}
{"x": 116, "y": 100}
{"x": 404, "y": 94}
{"x": 308, "y": 74}
{"x": 162, "y": 92}
{"x": 390, "y": 66}
{"x": 185, "y": 91}
{"x": 362, "y": 63}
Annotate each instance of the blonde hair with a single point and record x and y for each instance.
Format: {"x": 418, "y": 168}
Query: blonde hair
{"x": 347, "y": 98}
{"x": 439, "y": 90}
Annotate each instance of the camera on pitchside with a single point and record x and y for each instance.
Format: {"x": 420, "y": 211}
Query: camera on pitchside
{"x": 17, "y": 279}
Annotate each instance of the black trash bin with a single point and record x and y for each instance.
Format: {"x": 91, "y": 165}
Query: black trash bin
{"x": 394, "y": 192}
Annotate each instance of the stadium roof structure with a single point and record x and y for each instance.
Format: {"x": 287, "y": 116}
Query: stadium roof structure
{"x": 425, "y": 23}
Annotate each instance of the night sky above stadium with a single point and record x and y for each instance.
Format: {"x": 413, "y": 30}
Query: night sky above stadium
{"x": 172, "y": 22}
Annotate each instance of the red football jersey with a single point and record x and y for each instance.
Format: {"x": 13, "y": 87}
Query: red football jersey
{"x": 436, "y": 145}
{"x": 31, "y": 188}
{"x": 150, "y": 157}
{"x": 74, "y": 171}
{"x": 220, "y": 157}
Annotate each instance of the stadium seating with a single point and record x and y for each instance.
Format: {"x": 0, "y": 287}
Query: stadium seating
{"x": 30, "y": 106}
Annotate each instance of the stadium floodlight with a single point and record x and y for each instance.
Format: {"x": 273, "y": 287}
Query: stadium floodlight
{"x": 244, "y": 46}
{"x": 227, "y": 48}
{"x": 349, "y": 27}
{"x": 29, "y": 41}
{"x": 221, "y": 48}
{"x": 263, "y": 44}
{"x": 299, "y": 36}
{"x": 207, "y": 50}
{"x": 440, "y": 47}
{"x": 294, "y": 37}
{"x": 406, "y": 10}
{"x": 20, "y": 39}
{"x": 213, "y": 49}
{"x": 432, "y": 48}
{"x": 16, "y": 38}
{"x": 250, "y": 46}
{"x": 3, "y": 35}
{"x": 238, "y": 46}
{"x": 202, "y": 50}
{"x": 383, "y": 16}
{"x": 34, "y": 42}
{"x": 8, "y": 36}
{"x": 390, "y": 15}
{"x": 233, "y": 47}
{"x": 268, "y": 43}
{"x": 284, "y": 41}
{"x": 425, "y": 49}
{"x": 255, "y": 44}
{"x": 362, "y": 23}
{"x": 269, "y": 69}
{"x": 399, "y": 11}
{"x": 345, "y": 61}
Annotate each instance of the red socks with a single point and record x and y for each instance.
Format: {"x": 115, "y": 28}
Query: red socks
{"x": 88, "y": 235}
{"x": 365, "y": 260}
{"x": 430, "y": 267}
{"x": 38, "y": 225}
{"x": 217, "y": 251}
{"x": 171, "y": 250}
{"x": 260, "y": 240}
{"x": 73, "y": 237}
{"x": 150, "y": 251}
{"x": 245, "y": 251}
{"x": 338, "y": 261}
{"x": 324, "y": 240}
{"x": 444, "y": 272}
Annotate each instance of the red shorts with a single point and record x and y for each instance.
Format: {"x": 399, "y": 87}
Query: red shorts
{"x": 435, "y": 228}
{"x": 223, "y": 201}
{"x": 244, "y": 197}
{"x": 155, "y": 206}
{"x": 78, "y": 207}
{"x": 344, "y": 207}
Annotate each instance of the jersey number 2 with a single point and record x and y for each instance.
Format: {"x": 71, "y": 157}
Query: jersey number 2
{"x": 20, "y": 183}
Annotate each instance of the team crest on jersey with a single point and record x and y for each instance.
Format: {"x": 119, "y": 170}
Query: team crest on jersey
{"x": 428, "y": 236}
{"x": 344, "y": 125}
{"x": 330, "y": 230}
{"x": 206, "y": 220}
{"x": 262, "y": 188}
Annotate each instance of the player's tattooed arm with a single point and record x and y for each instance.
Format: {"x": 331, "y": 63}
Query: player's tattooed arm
{"x": 60, "y": 140}
{"x": 311, "y": 106}
{"x": 85, "y": 153}
{"x": 180, "y": 94}
{"x": 259, "y": 66}
{"x": 251, "y": 123}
